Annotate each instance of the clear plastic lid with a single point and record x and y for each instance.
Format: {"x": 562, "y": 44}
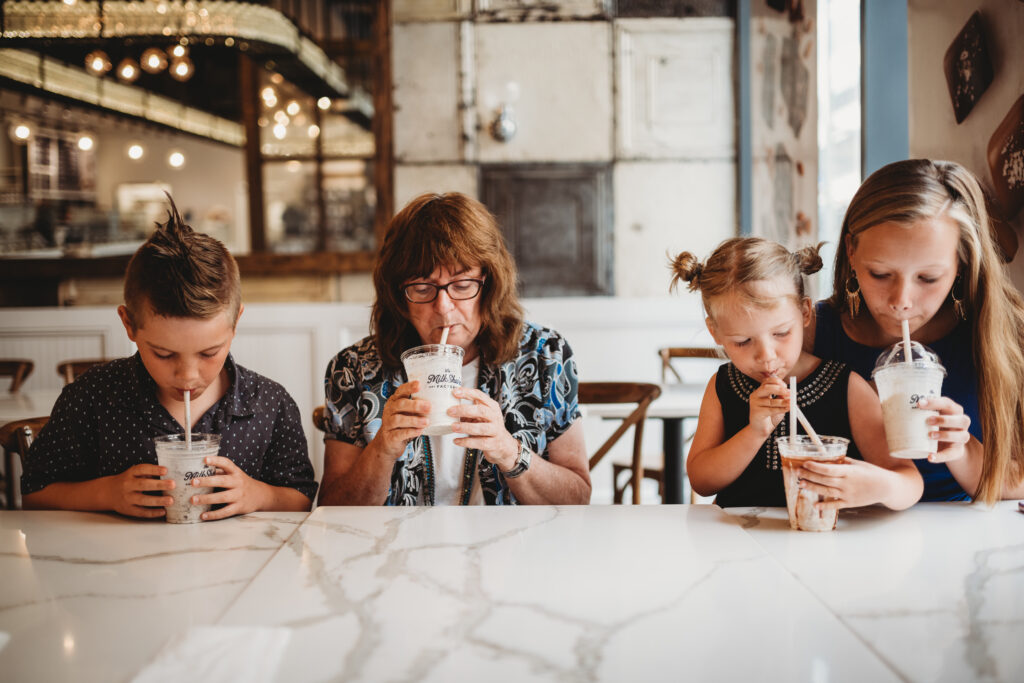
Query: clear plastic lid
{"x": 921, "y": 357}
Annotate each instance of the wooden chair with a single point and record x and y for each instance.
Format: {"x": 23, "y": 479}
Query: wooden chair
{"x": 640, "y": 393}
{"x": 16, "y": 437}
{"x": 320, "y": 418}
{"x": 18, "y": 369}
{"x": 654, "y": 464}
{"x": 71, "y": 369}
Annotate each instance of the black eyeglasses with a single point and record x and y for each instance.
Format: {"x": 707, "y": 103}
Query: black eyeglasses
{"x": 458, "y": 290}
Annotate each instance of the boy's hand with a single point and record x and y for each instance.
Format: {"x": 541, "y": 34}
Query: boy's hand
{"x": 127, "y": 492}
{"x": 769, "y": 403}
{"x": 241, "y": 494}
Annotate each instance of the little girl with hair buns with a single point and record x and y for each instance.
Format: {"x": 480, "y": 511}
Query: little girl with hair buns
{"x": 752, "y": 290}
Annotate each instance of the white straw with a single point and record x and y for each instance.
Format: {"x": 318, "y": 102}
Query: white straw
{"x": 792, "y": 408}
{"x": 188, "y": 419}
{"x": 810, "y": 431}
{"x": 444, "y": 334}
{"x": 907, "y": 355}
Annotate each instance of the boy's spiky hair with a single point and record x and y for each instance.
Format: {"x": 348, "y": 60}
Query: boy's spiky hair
{"x": 179, "y": 273}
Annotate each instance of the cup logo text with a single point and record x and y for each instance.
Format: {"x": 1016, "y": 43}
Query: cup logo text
{"x": 444, "y": 380}
{"x": 205, "y": 472}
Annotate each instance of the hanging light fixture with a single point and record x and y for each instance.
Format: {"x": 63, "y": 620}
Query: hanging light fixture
{"x": 154, "y": 60}
{"x": 178, "y": 51}
{"x": 21, "y": 131}
{"x": 293, "y": 108}
{"x": 176, "y": 159}
{"x": 135, "y": 151}
{"x": 97, "y": 62}
{"x": 182, "y": 69}
{"x": 86, "y": 142}
{"x": 128, "y": 70}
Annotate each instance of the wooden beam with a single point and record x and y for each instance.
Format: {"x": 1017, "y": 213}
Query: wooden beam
{"x": 249, "y": 89}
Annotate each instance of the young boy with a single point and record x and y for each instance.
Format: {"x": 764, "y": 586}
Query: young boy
{"x": 182, "y": 301}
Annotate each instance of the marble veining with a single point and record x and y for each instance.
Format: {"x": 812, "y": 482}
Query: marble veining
{"x": 580, "y": 594}
{"x": 544, "y": 593}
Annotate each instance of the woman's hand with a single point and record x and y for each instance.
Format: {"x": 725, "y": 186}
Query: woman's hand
{"x": 402, "y": 420}
{"x": 484, "y": 427}
{"x": 950, "y": 427}
{"x": 769, "y": 403}
{"x": 847, "y": 484}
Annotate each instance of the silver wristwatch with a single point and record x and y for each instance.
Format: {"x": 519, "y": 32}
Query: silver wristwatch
{"x": 522, "y": 462}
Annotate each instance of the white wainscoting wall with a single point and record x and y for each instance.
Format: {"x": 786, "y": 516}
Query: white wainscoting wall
{"x": 612, "y": 338}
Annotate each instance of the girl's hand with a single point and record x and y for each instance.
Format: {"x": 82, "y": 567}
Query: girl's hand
{"x": 403, "y": 419}
{"x": 484, "y": 427}
{"x": 950, "y": 427}
{"x": 848, "y": 483}
{"x": 769, "y": 403}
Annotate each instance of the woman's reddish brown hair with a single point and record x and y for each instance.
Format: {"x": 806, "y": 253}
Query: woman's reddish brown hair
{"x": 458, "y": 232}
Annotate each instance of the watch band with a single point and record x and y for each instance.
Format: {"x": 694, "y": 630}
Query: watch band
{"x": 522, "y": 462}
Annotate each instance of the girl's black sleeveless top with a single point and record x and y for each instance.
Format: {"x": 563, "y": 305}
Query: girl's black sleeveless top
{"x": 822, "y": 397}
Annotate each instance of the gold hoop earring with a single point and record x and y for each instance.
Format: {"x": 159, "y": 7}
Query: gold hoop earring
{"x": 853, "y": 294}
{"x": 959, "y": 306}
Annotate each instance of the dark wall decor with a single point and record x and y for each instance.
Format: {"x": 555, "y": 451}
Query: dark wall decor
{"x": 557, "y": 222}
{"x": 968, "y": 67}
{"x": 1006, "y": 160}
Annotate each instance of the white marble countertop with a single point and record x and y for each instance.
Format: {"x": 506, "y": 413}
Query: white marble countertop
{"x": 601, "y": 593}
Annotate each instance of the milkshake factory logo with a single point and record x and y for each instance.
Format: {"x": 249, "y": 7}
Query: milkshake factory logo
{"x": 447, "y": 378}
{"x": 205, "y": 472}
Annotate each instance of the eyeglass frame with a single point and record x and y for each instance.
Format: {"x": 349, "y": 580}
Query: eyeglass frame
{"x": 437, "y": 289}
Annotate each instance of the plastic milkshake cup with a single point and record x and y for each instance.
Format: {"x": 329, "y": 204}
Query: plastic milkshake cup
{"x": 900, "y": 386}
{"x": 795, "y": 451}
{"x": 183, "y": 465}
{"x": 438, "y": 368}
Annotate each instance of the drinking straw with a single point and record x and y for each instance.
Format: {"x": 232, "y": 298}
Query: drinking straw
{"x": 792, "y": 407}
{"x": 907, "y": 356}
{"x": 810, "y": 431}
{"x": 188, "y": 420}
{"x": 444, "y": 334}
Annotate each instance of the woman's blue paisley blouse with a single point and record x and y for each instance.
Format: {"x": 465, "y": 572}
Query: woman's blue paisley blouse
{"x": 537, "y": 393}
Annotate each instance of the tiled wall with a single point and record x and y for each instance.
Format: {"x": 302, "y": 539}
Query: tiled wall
{"x": 588, "y": 82}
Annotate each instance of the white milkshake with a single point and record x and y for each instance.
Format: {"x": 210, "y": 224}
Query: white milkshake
{"x": 438, "y": 368}
{"x": 183, "y": 465}
{"x": 900, "y": 386}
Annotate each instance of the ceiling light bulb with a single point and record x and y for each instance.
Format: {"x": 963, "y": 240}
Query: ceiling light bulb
{"x": 268, "y": 93}
{"x": 280, "y": 131}
{"x": 97, "y": 62}
{"x": 281, "y": 117}
{"x": 182, "y": 69}
{"x": 324, "y": 103}
{"x": 178, "y": 51}
{"x": 313, "y": 131}
{"x": 154, "y": 60}
{"x": 292, "y": 108}
{"x": 176, "y": 159}
{"x": 21, "y": 132}
{"x": 135, "y": 151}
{"x": 85, "y": 142}
{"x": 127, "y": 70}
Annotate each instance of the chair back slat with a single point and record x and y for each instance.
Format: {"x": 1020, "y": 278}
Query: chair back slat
{"x": 18, "y": 369}
{"x": 642, "y": 394}
{"x": 668, "y": 353}
{"x": 70, "y": 370}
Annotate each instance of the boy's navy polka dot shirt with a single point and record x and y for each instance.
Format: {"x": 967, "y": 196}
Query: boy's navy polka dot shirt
{"x": 104, "y": 422}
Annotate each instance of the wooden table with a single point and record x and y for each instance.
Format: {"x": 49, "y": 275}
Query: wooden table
{"x": 677, "y": 403}
{"x": 600, "y": 593}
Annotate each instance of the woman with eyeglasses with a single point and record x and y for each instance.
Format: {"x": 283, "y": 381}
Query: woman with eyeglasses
{"x": 517, "y": 439}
